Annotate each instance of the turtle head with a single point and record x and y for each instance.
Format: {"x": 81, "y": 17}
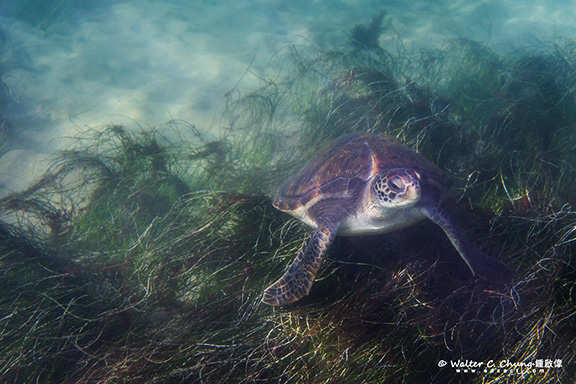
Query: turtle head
{"x": 397, "y": 188}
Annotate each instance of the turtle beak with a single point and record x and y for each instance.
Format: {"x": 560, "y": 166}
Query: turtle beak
{"x": 413, "y": 192}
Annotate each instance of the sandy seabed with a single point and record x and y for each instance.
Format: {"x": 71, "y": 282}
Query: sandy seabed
{"x": 147, "y": 62}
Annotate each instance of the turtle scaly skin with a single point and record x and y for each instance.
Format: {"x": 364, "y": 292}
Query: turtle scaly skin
{"x": 297, "y": 281}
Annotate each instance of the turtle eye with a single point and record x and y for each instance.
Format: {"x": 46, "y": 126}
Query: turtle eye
{"x": 396, "y": 184}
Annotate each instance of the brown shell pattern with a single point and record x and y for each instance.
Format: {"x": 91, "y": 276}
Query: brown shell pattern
{"x": 345, "y": 167}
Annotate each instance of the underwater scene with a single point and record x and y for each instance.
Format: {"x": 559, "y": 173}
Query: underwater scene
{"x": 264, "y": 191}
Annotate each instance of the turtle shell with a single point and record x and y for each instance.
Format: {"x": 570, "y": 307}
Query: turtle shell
{"x": 343, "y": 170}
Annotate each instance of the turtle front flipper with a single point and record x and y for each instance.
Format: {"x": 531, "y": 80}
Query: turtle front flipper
{"x": 298, "y": 279}
{"x": 480, "y": 264}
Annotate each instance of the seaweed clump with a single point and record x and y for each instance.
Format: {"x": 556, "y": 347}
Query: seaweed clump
{"x": 121, "y": 245}
{"x": 143, "y": 256}
{"x": 365, "y": 36}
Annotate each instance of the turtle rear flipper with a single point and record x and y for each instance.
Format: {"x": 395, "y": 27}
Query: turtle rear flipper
{"x": 298, "y": 279}
{"x": 479, "y": 263}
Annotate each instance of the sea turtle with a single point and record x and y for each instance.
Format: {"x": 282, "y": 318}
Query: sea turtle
{"x": 365, "y": 184}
